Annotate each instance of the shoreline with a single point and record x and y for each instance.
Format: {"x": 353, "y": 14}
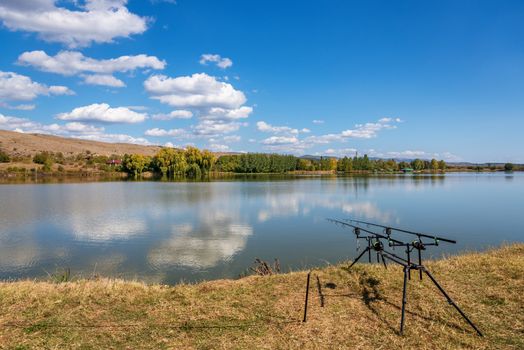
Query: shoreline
{"x": 57, "y": 177}
{"x": 361, "y": 311}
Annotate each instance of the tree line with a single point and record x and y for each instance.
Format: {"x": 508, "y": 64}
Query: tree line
{"x": 171, "y": 162}
{"x": 192, "y": 162}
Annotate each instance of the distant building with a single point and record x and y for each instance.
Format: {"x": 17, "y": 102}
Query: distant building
{"x": 114, "y": 162}
{"x": 407, "y": 170}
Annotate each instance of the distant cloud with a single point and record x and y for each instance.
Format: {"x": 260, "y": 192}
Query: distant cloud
{"x": 217, "y": 59}
{"x": 296, "y": 145}
{"x": 102, "y": 112}
{"x": 16, "y": 87}
{"x": 266, "y": 127}
{"x": 104, "y": 80}
{"x": 232, "y": 138}
{"x": 177, "y": 114}
{"x": 71, "y": 129}
{"x": 217, "y": 113}
{"x": 412, "y": 154}
{"x": 216, "y": 147}
{"x": 94, "y": 71}
{"x": 216, "y": 127}
{"x": 156, "y": 132}
{"x": 370, "y": 130}
{"x": 21, "y": 107}
{"x": 318, "y": 121}
{"x": 92, "y": 21}
{"x": 280, "y": 140}
{"x": 340, "y": 152}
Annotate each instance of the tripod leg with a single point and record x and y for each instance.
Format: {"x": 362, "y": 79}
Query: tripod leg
{"x": 363, "y": 252}
{"x": 384, "y": 261}
{"x": 453, "y": 303}
{"x": 420, "y": 263}
{"x": 409, "y": 260}
{"x": 406, "y": 271}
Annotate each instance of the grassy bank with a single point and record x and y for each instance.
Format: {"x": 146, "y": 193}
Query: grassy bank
{"x": 361, "y": 312}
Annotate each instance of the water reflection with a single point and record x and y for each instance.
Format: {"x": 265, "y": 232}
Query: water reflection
{"x": 166, "y": 231}
{"x": 217, "y": 239}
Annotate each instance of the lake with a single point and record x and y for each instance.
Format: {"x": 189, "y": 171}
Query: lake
{"x": 167, "y": 232}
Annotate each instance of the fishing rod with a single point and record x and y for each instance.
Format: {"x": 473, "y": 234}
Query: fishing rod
{"x": 357, "y": 230}
{"x": 436, "y": 238}
{"x": 374, "y": 244}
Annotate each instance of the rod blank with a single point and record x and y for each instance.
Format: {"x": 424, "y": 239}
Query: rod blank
{"x": 405, "y": 231}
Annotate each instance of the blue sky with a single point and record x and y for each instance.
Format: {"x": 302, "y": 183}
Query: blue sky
{"x": 426, "y": 79}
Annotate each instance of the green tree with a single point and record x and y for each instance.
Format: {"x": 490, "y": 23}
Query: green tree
{"x": 227, "y": 163}
{"x": 304, "y": 164}
{"x": 208, "y": 161}
{"x": 391, "y": 165}
{"x": 417, "y": 164}
{"x": 434, "y": 165}
{"x": 179, "y": 164}
{"x": 332, "y": 164}
{"x": 366, "y": 164}
{"x": 164, "y": 160}
{"x": 508, "y": 167}
{"x": 193, "y": 171}
{"x": 193, "y": 156}
{"x": 404, "y": 165}
{"x": 442, "y": 165}
{"x": 135, "y": 163}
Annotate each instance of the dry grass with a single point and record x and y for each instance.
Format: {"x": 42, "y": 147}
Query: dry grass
{"x": 19, "y": 144}
{"x": 264, "y": 312}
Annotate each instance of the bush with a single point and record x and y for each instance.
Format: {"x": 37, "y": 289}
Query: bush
{"x": 4, "y": 158}
{"x": 42, "y": 158}
{"x": 48, "y": 164}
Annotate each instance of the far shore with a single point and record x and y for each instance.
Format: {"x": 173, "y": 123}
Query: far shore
{"x": 30, "y": 172}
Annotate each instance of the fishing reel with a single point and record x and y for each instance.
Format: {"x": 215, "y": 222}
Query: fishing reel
{"x": 418, "y": 245}
{"x": 377, "y": 245}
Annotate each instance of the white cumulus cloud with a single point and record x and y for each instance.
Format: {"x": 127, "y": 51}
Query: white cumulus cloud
{"x": 18, "y": 87}
{"x": 102, "y": 112}
{"x": 94, "y": 71}
{"x": 198, "y": 91}
{"x": 74, "y": 62}
{"x": 99, "y": 21}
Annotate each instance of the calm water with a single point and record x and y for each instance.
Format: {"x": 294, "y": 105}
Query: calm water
{"x": 166, "y": 232}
